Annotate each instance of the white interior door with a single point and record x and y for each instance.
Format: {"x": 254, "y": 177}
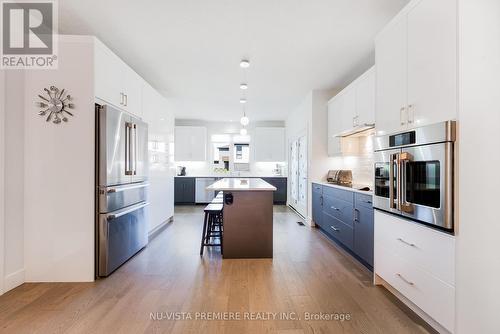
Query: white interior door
{"x": 302, "y": 175}
{"x": 298, "y": 175}
{"x": 294, "y": 173}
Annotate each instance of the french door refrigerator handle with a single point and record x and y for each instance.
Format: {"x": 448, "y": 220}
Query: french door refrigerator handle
{"x": 135, "y": 149}
{"x": 128, "y": 169}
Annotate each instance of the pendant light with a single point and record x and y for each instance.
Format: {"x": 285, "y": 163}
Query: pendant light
{"x": 243, "y": 131}
{"x": 244, "y": 119}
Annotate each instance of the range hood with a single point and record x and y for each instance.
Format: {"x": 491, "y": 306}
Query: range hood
{"x": 358, "y": 131}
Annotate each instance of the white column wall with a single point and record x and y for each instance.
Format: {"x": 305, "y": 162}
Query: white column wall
{"x": 478, "y": 245}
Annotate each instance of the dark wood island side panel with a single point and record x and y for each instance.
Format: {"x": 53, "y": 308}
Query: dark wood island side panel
{"x": 248, "y": 225}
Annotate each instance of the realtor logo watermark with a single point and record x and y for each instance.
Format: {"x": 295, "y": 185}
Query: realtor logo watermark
{"x": 29, "y": 34}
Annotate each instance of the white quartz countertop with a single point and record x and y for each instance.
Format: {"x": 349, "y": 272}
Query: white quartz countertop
{"x": 354, "y": 188}
{"x": 241, "y": 184}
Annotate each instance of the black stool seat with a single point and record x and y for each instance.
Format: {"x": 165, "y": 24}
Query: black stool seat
{"x": 212, "y": 226}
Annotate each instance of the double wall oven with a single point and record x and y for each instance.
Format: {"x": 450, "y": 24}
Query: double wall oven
{"x": 414, "y": 173}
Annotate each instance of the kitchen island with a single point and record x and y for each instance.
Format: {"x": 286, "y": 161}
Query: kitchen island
{"x": 248, "y": 217}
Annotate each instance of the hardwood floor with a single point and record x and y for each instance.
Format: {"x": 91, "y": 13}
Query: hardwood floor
{"x": 307, "y": 274}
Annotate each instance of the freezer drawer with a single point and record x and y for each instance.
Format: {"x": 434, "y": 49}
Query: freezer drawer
{"x": 122, "y": 234}
{"x": 118, "y": 197}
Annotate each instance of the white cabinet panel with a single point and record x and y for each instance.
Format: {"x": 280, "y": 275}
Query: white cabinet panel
{"x": 432, "y": 62}
{"x": 365, "y": 98}
{"x": 269, "y": 144}
{"x": 190, "y": 143}
{"x": 416, "y": 60}
{"x": 115, "y": 82}
{"x": 418, "y": 244}
{"x": 348, "y": 111}
{"x": 419, "y": 262}
{"x": 161, "y": 169}
{"x": 430, "y": 294}
{"x": 391, "y": 83}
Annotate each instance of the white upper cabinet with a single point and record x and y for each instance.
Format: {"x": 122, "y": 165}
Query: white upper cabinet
{"x": 432, "y": 62}
{"x": 347, "y": 111}
{"x": 334, "y": 127}
{"x": 390, "y": 62}
{"x": 365, "y": 99}
{"x": 350, "y": 111}
{"x": 269, "y": 144}
{"x": 115, "y": 82}
{"x": 416, "y": 67}
{"x": 190, "y": 143}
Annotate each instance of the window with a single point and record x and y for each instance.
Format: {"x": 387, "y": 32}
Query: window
{"x": 241, "y": 153}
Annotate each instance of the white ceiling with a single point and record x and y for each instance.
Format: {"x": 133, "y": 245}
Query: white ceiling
{"x": 190, "y": 50}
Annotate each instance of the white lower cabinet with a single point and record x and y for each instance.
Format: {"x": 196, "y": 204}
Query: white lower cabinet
{"x": 418, "y": 262}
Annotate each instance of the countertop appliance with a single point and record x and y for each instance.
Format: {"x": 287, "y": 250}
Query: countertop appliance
{"x": 414, "y": 173}
{"x": 122, "y": 184}
{"x": 181, "y": 171}
{"x": 340, "y": 177}
{"x": 202, "y": 195}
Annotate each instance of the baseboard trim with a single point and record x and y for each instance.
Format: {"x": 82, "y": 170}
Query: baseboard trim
{"x": 158, "y": 229}
{"x": 13, "y": 280}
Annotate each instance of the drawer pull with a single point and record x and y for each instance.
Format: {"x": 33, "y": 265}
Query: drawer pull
{"x": 405, "y": 280}
{"x": 335, "y": 229}
{"x": 407, "y": 243}
{"x": 334, "y": 208}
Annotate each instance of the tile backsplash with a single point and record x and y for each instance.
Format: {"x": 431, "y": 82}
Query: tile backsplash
{"x": 361, "y": 164}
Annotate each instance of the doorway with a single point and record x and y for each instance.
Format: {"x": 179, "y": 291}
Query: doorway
{"x": 298, "y": 175}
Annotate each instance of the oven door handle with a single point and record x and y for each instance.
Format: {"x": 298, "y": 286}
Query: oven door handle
{"x": 405, "y": 206}
{"x": 394, "y": 160}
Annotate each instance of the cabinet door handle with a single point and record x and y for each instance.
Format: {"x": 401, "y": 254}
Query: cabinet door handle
{"x": 405, "y": 280}
{"x": 334, "y": 208}
{"x": 335, "y": 229}
{"x": 125, "y": 99}
{"x": 321, "y": 200}
{"x": 401, "y": 115}
{"x": 410, "y": 114}
{"x": 356, "y": 215}
{"x": 407, "y": 243}
{"x": 121, "y": 98}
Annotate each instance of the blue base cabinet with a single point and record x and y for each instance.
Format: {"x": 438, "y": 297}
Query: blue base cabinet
{"x": 347, "y": 218}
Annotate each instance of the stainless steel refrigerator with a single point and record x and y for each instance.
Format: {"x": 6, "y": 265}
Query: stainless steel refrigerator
{"x": 122, "y": 184}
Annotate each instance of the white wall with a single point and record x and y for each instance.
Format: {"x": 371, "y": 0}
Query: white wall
{"x": 478, "y": 245}
{"x": 2, "y": 178}
{"x": 310, "y": 117}
{"x": 200, "y": 168}
{"x": 14, "y": 180}
{"x": 59, "y": 172}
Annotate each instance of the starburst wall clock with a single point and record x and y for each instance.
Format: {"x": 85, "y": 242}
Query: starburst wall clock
{"x": 55, "y": 105}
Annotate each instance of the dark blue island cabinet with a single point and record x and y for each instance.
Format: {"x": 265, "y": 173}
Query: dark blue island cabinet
{"x": 347, "y": 218}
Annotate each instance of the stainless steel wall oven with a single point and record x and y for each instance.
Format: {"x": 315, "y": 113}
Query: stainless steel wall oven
{"x": 414, "y": 174}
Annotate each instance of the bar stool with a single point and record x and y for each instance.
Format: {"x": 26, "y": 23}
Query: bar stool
{"x": 212, "y": 226}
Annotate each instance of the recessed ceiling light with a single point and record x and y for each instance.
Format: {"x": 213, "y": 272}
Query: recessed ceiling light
{"x": 243, "y": 86}
{"x": 243, "y": 132}
{"x": 243, "y": 101}
{"x": 162, "y": 119}
{"x": 244, "y": 63}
